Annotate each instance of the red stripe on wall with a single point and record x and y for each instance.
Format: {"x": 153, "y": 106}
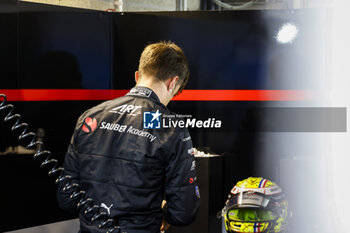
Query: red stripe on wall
{"x": 244, "y": 95}
{"x": 186, "y": 95}
{"x": 60, "y": 94}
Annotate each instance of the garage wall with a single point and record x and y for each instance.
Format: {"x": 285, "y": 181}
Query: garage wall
{"x": 128, "y": 5}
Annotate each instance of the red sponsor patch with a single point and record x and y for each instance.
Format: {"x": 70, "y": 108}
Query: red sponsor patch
{"x": 89, "y": 125}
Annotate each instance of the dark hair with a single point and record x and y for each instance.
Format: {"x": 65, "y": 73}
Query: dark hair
{"x": 164, "y": 60}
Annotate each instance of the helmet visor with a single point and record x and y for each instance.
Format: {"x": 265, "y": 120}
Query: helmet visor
{"x": 248, "y": 199}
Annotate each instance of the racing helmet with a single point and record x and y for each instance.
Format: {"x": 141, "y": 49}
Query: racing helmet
{"x": 255, "y": 205}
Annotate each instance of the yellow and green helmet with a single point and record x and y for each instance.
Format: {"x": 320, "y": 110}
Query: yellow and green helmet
{"x": 255, "y": 205}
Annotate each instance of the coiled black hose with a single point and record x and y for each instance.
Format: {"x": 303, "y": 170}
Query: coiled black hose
{"x": 85, "y": 204}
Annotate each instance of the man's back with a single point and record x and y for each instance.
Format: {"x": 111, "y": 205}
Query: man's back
{"x": 128, "y": 169}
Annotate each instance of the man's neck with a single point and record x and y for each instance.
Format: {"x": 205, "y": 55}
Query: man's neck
{"x": 158, "y": 88}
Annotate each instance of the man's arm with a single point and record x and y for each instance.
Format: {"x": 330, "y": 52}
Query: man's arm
{"x": 181, "y": 189}
{"x": 71, "y": 168}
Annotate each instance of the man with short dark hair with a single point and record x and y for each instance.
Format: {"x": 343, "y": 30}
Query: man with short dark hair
{"x": 126, "y": 162}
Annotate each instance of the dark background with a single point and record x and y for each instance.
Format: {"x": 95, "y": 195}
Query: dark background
{"x": 44, "y": 47}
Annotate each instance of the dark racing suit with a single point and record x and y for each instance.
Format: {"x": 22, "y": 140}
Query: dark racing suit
{"x": 128, "y": 163}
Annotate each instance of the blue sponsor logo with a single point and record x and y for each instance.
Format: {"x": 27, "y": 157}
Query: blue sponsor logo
{"x": 151, "y": 120}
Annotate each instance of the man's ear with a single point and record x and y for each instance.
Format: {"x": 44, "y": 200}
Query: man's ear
{"x": 173, "y": 81}
{"x": 137, "y": 75}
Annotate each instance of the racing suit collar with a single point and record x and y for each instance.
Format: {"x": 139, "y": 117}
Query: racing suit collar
{"x": 144, "y": 92}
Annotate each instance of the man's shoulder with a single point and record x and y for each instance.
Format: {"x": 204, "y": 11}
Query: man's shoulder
{"x": 101, "y": 107}
{"x": 128, "y": 105}
{"x": 105, "y": 105}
